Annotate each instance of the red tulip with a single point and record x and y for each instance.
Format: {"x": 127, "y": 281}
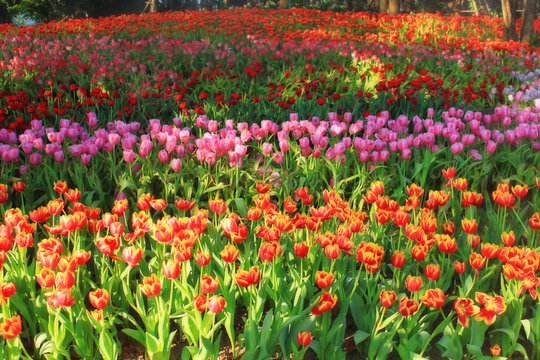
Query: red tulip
{"x": 216, "y": 304}
{"x": 99, "y": 298}
{"x": 387, "y": 298}
{"x": 11, "y": 327}
{"x": 408, "y": 306}
{"x": 151, "y": 285}
{"x": 304, "y": 338}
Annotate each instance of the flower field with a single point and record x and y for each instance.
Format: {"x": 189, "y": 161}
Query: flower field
{"x": 265, "y": 184}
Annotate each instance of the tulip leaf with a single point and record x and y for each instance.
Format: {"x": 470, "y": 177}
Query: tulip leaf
{"x": 527, "y": 327}
{"x": 135, "y": 334}
{"x": 360, "y": 336}
{"x": 153, "y": 344}
{"x": 474, "y": 349}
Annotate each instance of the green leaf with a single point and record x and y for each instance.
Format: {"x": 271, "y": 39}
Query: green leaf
{"x": 135, "y": 334}
{"x": 266, "y": 328}
{"x": 241, "y": 206}
{"x": 106, "y": 346}
{"x": 527, "y": 327}
{"x": 508, "y": 332}
{"x": 519, "y": 348}
{"x": 360, "y": 336}
{"x": 153, "y": 344}
{"x": 450, "y": 342}
{"x": 474, "y": 349}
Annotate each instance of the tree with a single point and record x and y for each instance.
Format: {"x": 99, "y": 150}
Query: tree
{"x": 529, "y": 10}
{"x": 383, "y": 6}
{"x": 393, "y": 7}
{"x": 509, "y": 19}
{"x": 5, "y": 15}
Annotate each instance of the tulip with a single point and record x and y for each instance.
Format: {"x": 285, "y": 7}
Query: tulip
{"x": 398, "y": 259}
{"x": 151, "y": 285}
{"x": 387, "y": 298}
{"x": 304, "y": 338}
{"x": 413, "y": 283}
{"x": 11, "y": 327}
{"x": 99, "y": 298}
{"x": 171, "y": 269}
{"x": 432, "y": 271}
{"x": 209, "y": 284}
{"x": 216, "y": 304}
{"x": 323, "y": 279}
{"x": 132, "y": 256}
{"x": 433, "y": 298}
{"x": 408, "y": 306}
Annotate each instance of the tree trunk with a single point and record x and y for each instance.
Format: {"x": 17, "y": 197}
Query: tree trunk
{"x": 153, "y": 6}
{"x": 408, "y": 6}
{"x": 529, "y": 10}
{"x": 284, "y": 4}
{"x": 383, "y": 6}
{"x": 393, "y": 7}
{"x": 475, "y": 6}
{"x": 509, "y": 19}
{"x": 5, "y": 16}
{"x": 349, "y": 4}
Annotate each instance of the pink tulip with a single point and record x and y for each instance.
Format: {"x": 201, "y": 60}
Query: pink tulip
{"x": 267, "y": 148}
{"x": 129, "y": 156}
{"x": 176, "y": 164}
{"x": 35, "y": 159}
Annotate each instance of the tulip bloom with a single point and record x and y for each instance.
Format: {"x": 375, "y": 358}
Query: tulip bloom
{"x": 449, "y": 173}
{"x": 477, "y": 261}
{"x": 19, "y": 186}
{"x": 508, "y": 239}
{"x": 246, "y": 278}
{"x": 200, "y": 302}
{"x": 60, "y": 187}
{"x": 408, "y": 306}
{"x": 520, "y": 191}
{"x": 495, "y": 350}
{"x": 465, "y": 308}
{"x": 387, "y": 298}
{"x": 171, "y": 269}
{"x": 469, "y": 225}
{"x": 419, "y": 252}
{"x": 326, "y": 302}
{"x": 230, "y": 253}
{"x": 370, "y": 254}
{"x": 209, "y": 284}
{"x": 301, "y": 249}
{"x": 151, "y": 285}
{"x": 459, "y": 267}
{"x": 433, "y": 298}
{"x": 99, "y": 298}
{"x": 217, "y": 206}
{"x": 59, "y": 298}
{"x": 269, "y": 251}
{"x": 323, "y": 279}
{"x": 304, "y": 338}
{"x": 398, "y": 259}
{"x": 11, "y": 327}
{"x": 203, "y": 259}
{"x": 132, "y": 256}
{"x": 493, "y": 306}
{"x": 413, "y": 283}
{"x": 216, "y": 304}
{"x": 432, "y": 271}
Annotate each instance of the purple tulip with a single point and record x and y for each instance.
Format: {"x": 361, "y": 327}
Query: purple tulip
{"x": 35, "y": 159}
{"x": 59, "y": 156}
